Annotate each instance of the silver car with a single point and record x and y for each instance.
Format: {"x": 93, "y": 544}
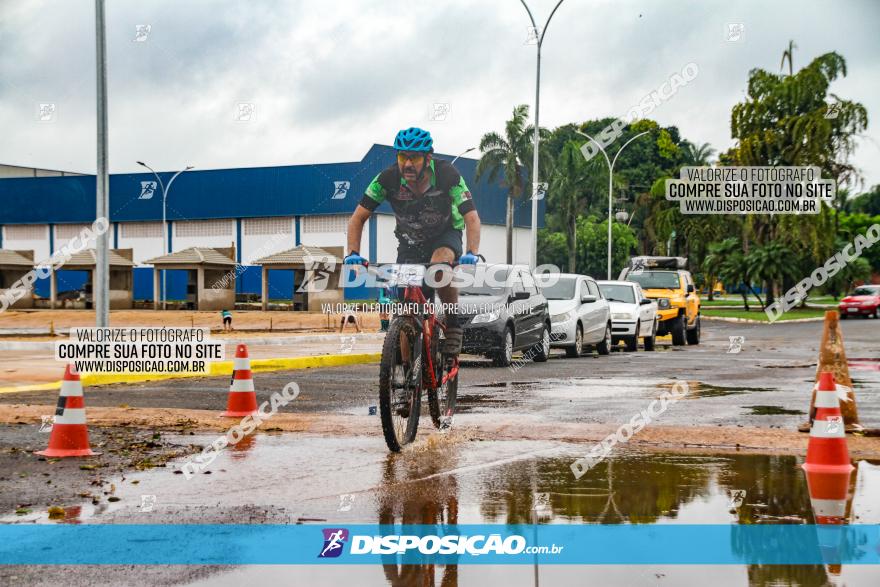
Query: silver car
{"x": 579, "y": 314}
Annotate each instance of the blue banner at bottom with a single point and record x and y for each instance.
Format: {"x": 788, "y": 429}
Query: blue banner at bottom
{"x": 218, "y": 544}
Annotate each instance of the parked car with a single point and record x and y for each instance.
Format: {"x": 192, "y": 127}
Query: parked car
{"x": 665, "y": 280}
{"x": 863, "y": 301}
{"x": 633, "y": 314}
{"x": 579, "y": 314}
{"x": 499, "y": 320}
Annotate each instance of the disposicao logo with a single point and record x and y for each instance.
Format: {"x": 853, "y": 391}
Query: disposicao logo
{"x": 334, "y": 540}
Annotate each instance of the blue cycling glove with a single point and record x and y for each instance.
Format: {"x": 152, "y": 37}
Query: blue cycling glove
{"x": 470, "y": 258}
{"x": 354, "y": 258}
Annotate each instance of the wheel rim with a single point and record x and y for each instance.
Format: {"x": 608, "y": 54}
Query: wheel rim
{"x": 508, "y": 345}
{"x": 578, "y": 341}
{"x": 545, "y": 342}
{"x": 608, "y": 337}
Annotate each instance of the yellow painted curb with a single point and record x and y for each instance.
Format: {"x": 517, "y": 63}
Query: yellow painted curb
{"x": 217, "y": 368}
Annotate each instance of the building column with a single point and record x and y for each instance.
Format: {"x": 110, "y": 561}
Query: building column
{"x": 156, "y": 287}
{"x": 264, "y": 288}
{"x": 53, "y": 288}
{"x": 200, "y": 285}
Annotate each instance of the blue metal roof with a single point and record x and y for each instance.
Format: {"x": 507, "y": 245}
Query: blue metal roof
{"x": 232, "y": 193}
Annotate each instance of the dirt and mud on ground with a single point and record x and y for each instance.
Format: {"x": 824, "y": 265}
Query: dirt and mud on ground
{"x": 322, "y": 458}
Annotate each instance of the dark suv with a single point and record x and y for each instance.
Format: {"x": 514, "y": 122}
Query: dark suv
{"x": 503, "y": 314}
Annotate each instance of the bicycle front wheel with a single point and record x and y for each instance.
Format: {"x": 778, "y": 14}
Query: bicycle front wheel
{"x": 400, "y": 382}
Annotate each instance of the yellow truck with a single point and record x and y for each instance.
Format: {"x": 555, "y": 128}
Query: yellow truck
{"x": 665, "y": 280}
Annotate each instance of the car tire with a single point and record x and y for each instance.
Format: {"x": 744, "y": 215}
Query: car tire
{"x": 504, "y": 356}
{"x": 843, "y": 316}
{"x": 577, "y": 348}
{"x": 693, "y": 335}
{"x": 544, "y": 347}
{"x": 604, "y": 347}
{"x": 632, "y": 342}
{"x": 677, "y": 329}
{"x": 650, "y": 341}
{"x": 877, "y": 313}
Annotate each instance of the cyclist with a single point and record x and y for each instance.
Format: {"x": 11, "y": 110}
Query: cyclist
{"x": 432, "y": 205}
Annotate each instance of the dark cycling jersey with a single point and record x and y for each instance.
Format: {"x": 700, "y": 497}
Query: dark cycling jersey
{"x": 422, "y": 218}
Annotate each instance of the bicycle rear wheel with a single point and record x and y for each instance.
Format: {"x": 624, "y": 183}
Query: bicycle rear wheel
{"x": 441, "y": 401}
{"x": 400, "y": 382}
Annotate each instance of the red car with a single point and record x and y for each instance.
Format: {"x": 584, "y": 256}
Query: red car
{"x": 863, "y": 301}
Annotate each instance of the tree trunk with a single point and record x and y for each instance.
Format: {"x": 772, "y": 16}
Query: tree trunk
{"x": 572, "y": 253}
{"x": 509, "y": 228}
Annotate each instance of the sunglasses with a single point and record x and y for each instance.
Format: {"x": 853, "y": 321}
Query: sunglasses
{"x": 415, "y": 158}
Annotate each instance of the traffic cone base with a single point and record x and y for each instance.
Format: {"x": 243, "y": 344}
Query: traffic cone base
{"x": 69, "y": 436}
{"x": 242, "y": 400}
{"x": 827, "y": 451}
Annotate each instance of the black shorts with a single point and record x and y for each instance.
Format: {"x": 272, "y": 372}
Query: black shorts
{"x": 227, "y": 320}
{"x": 422, "y": 252}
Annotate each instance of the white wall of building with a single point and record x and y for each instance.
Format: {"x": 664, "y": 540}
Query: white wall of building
{"x": 144, "y": 237}
{"x": 203, "y": 233}
{"x": 64, "y": 233}
{"x": 28, "y": 237}
{"x": 329, "y": 230}
{"x": 261, "y": 237}
{"x": 493, "y": 244}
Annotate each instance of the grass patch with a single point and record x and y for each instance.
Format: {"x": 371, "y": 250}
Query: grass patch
{"x": 758, "y": 314}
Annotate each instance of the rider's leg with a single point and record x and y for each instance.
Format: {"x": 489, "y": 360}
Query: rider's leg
{"x": 449, "y": 297}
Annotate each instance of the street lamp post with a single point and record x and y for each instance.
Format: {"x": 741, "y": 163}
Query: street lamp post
{"x": 165, "y": 190}
{"x": 101, "y": 289}
{"x": 465, "y": 152}
{"x": 611, "y": 163}
{"x": 533, "y": 257}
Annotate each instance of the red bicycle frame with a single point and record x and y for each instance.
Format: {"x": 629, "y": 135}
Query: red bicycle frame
{"x": 430, "y": 324}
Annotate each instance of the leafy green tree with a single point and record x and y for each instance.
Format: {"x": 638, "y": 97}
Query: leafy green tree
{"x": 771, "y": 263}
{"x": 508, "y": 156}
{"x": 857, "y": 270}
{"x": 867, "y": 203}
{"x": 785, "y": 121}
{"x": 592, "y": 246}
{"x": 713, "y": 262}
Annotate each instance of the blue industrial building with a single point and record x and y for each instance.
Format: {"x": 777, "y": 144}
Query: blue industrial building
{"x": 259, "y": 210}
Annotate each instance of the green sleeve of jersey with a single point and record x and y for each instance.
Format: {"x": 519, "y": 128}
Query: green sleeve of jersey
{"x": 461, "y": 197}
{"x": 375, "y": 191}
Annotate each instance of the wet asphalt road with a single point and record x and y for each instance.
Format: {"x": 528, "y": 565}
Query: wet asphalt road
{"x": 767, "y": 384}
{"x": 295, "y": 478}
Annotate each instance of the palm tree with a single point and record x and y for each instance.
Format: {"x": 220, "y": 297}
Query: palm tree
{"x": 508, "y": 154}
{"x": 695, "y": 156}
{"x": 567, "y": 183}
{"x": 771, "y": 263}
{"x": 714, "y": 261}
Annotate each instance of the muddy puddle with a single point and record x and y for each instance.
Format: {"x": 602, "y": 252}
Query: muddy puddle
{"x": 450, "y": 479}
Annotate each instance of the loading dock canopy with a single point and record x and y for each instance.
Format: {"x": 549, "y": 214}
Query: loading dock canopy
{"x": 304, "y": 258}
{"x": 214, "y": 269}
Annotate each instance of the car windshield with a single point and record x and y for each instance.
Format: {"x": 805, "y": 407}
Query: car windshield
{"x": 865, "y": 291}
{"x": 655, "y": 279}
{"x": 563, "y": 289}
{"x": 618, "y": 293}
{"x": 484, "y": 281}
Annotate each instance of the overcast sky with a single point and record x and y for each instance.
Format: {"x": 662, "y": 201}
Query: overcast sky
{"x": 329, "y": 79}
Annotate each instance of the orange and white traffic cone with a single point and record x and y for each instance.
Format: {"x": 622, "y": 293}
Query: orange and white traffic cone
{"x": 827, "y": 451}
{"x": 69, "y": 436}
{"x": 242, "y": 399}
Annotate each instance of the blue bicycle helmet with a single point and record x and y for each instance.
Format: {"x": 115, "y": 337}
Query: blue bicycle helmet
{"x": 414, "y": 139}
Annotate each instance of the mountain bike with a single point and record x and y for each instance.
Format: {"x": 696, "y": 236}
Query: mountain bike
{"x": 412, "y": 363}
